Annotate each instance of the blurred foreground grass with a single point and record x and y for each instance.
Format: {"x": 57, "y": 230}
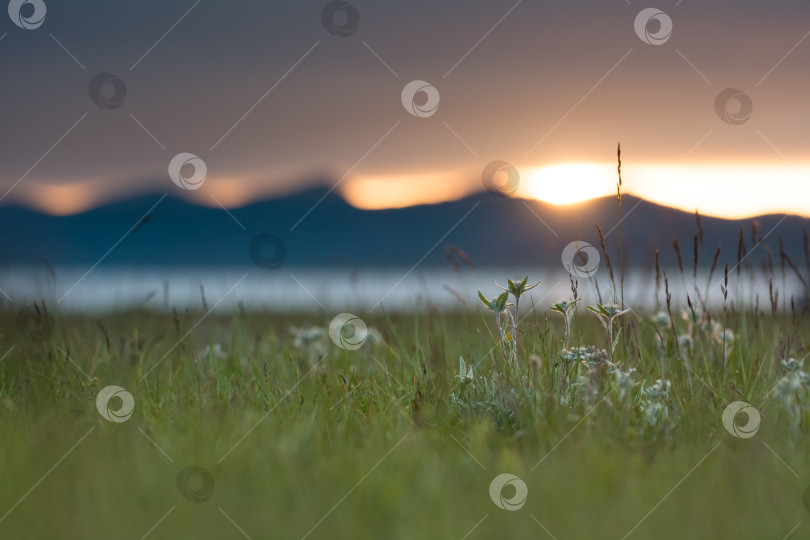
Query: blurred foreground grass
{"x": 303, "y": 439}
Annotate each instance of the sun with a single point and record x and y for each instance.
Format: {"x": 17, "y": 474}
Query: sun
{"x": 568, "y": 183}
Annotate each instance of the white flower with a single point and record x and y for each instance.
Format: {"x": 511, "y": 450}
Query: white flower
{"x": 791, "y": 364}
{"x": 724, "y": 336}
{"x": 307, "y": 336}
{"x": 588, "y": 355}
{"x": 214, "y": 351}
{"x": 661, "y": 319}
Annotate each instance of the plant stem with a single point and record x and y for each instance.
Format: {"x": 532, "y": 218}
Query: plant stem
{"x": 567, "y": 329}
{"x": 563, "y": 377}
{"x": 500, "y": 336}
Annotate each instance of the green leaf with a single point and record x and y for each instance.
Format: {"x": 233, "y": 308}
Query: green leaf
{"x": 500, "y": 302}
{"x": 486, "y": 302}
{"x": 615, "y": 341}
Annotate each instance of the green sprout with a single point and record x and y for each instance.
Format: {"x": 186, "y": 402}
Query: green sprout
{"x": 465, "y": 372}
{"x": 564, "y": 307}
{"x": 516, "y": 289}
{"x": 497, "y": 306}
{"x": 607, "y": 314}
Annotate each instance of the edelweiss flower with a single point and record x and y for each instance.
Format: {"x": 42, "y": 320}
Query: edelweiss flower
{"x": 661, "y": 319}
{"x": 723, "y": 336}
{"x": 685, "y": 341}
{"x": 791, "y": 364}
{"x": 588, "y": 355}
{"x": 306, "y": 336}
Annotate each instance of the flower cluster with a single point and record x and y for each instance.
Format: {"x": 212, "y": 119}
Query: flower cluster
{"x": 655, "y": 402}
{"x": 588, "y": 355}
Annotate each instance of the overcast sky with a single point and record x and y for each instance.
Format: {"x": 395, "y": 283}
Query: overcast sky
{"x": 269, "y": 99}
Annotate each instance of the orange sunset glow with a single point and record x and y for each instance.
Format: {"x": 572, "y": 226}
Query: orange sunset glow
{"x": 721, "y": 191}
{"x": 62, "y": 200}
{"x": 707, "y": 120}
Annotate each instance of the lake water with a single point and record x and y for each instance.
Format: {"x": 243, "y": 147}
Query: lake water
{"x": 334, "y": 290}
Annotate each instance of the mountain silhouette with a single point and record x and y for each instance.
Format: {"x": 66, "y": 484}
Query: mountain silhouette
{"x": 490, "y": 229}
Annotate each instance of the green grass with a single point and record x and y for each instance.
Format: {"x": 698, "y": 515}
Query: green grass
{"x": 321, "y": 441}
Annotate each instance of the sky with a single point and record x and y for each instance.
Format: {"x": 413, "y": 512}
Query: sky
{"x": 394, "y": 103}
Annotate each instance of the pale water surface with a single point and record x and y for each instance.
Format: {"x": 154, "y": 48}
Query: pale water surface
{"x": 341, "y": 289}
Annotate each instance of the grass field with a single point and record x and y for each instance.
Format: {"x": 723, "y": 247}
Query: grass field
{"x": 293, "y": 436}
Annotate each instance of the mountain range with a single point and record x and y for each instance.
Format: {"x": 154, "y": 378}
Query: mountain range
{"x": 486, "y": 229}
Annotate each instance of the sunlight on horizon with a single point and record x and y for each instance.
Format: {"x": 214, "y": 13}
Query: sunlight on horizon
{"x": 727, "y": 192}
{"x": 379, "y": 192}
{"x": 732, "y": 192}
{"x": 568, "y": 183}
{"x": 62, "y": 200}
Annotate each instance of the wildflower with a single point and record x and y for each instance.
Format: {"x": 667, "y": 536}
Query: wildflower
{"x": 655, "y": 408}
{"x": 791, "y": 364}
{"x": 661, "y": 319}
{"x": 465, "y": 373}
{"x": 517, "y": 288}
{"x": 373, "y": 336}
{"x": 724, "y": 336}
{"x": 305, "y": 337}
{"x": 659, "y": 390}
{"x": 606, "y": 314}
{"x": 624, "y": 381}
{"x": 215, "y": 351}
{"x": 685, "y": 341}
{"x": 655, "y": 412}
{"x": 588, "y": 355}
{"x": 497, "y": 306}
{"x": 564, "y": 307}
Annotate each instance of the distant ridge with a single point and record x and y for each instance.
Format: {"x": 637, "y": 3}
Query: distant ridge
{"x": 496, "y": 230}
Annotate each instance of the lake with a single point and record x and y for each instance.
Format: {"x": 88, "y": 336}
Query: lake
{"x": 362, "y": 289}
